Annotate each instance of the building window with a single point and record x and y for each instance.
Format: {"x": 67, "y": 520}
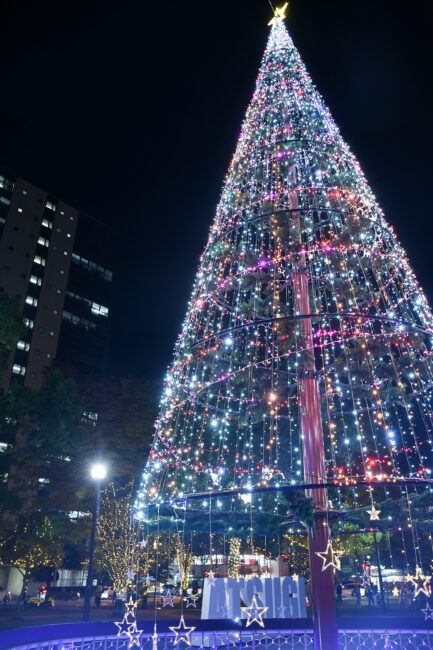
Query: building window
{"x": 32, "y": 301}
{"x": 20, "y": 209}
{"x": 2, "y": 220}
{"x": 50, "y": 206}
{"x": 100, "y": 310}
{"x": 76, "y": 320}
{"x": 43, "y": 242}
{"x": 49, "y": 355}
{"x": 39, "y": 260}
{"x": 24, "y": 192}
{"x": 17, "y": 369}
{"x": 34, "y": 279}
{"x": 95, "y": 308}
{"x": 23, "y": 345}
{"x": 51, "y": 333}
{"x": 55, "y": 311}
{"x": 5, "y": 200}
{"x": 29, "y": 323}
{"x": 91, "y": 266}
{"x": 47, "y": 223}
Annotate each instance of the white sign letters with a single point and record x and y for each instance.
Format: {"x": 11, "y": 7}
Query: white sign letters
{"x": 284, "y": 597}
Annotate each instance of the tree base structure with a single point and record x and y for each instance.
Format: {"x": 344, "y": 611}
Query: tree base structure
{"x": 322, "y": 587}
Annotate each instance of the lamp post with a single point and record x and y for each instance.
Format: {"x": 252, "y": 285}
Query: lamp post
{"x": 98, "y": 472}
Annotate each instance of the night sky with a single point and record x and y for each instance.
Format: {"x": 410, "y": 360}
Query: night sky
{"x": 131, "y": 112}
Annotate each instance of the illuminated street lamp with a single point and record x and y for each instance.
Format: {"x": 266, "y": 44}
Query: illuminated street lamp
{"x": 98, "y": 472}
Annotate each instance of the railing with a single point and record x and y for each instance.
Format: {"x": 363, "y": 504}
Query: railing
{"x": 242, "y": 639}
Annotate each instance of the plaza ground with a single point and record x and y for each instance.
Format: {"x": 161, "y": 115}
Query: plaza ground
{"x": 72, "y": 612}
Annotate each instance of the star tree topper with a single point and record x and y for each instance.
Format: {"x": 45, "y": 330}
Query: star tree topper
{"x": 279, "y": 14}
{"x": 182, "y": 632}
{"x": 330, "y": 557}
{"x": 255, "y": 612}
{"x": 420, "y": 582}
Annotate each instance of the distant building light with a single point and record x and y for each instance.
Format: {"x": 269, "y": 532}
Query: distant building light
{"x": 17, "y": 369}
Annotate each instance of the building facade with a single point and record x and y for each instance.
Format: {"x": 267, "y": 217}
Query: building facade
{"x": 58, "y": 263}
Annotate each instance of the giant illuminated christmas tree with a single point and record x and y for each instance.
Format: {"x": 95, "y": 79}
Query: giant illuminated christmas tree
{"x": 305, "y": 355}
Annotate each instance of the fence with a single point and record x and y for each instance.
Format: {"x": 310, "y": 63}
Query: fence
{"x": 242, "y": 639}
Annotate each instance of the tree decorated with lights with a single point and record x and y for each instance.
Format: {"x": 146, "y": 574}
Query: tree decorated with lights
{"x": 117, "y": 549}
{"x": 33, "y": 544}
{"x": 304, "y": 360}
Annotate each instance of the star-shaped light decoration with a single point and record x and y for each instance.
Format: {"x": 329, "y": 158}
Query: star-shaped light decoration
{"x": 143, "y": 543}
{"x": 211, "y": 578}
{"x": 130, "y": 574}
{"x": 396, "y": 591}
{"x": 330, "y": 557}
{"x": 294, "y": 576}
{"x": 191, "y": 601}
{"x": 255, "y": 612}
{"x": 128, "y": 625}
{"x": 420, "y": 582}
{"x": 182, "y": 632}
{"x": 374, "y": 513}
{"x": 168, "y": 599}
{"x": 428, "y": 612}
{"x": 279, "y": 14}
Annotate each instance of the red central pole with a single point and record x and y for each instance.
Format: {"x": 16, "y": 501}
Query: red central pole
{"x": 322, "y": 582}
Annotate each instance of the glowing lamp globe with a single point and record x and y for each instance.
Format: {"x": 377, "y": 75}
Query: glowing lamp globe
{"x": 98, "y": 471}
